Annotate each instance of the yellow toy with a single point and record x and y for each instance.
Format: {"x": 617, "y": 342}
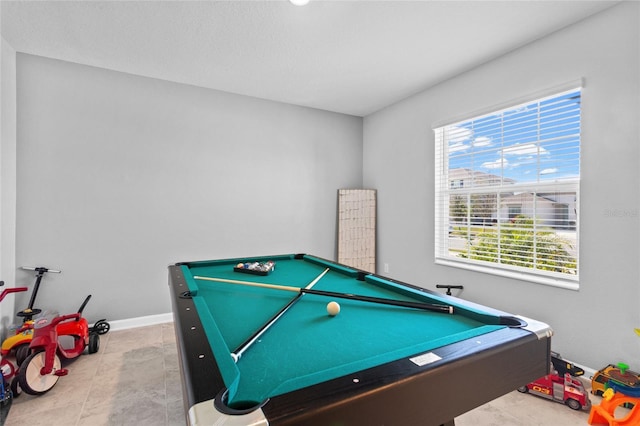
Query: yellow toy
{"x": 19, "y": 343}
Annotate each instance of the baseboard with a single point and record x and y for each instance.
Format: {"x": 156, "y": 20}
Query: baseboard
{"x": 140, "y": 321}
{"x": 588, "y": 371}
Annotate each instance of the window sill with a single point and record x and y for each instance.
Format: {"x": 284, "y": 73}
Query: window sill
{"x": 567, "y": 284}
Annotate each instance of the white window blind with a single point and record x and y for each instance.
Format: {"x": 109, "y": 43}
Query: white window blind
{"x": 507, "y": 190}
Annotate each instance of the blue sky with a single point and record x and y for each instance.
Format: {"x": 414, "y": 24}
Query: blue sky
{"x": 537, "y": 140}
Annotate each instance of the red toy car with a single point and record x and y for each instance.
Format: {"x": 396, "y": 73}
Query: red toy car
{"x": 559, "y": 386}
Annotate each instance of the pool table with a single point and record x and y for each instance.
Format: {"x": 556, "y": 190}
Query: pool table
{"x": 371, "y": 364}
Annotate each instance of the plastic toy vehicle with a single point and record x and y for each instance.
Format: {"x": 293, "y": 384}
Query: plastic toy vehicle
{"x": 607, "y": 413}
{"x": 616, "y": 376}
{"x": 41, "y": 370}
{"x": 563, "y": 389}
{"x": 560, "y": 386}
{"x": 7, "y": 368}
{"x": 19, "y": 343}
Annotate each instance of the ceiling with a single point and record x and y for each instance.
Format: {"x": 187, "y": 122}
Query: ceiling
{"x": 351, "y": 57}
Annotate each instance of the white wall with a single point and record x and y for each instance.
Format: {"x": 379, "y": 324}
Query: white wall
{"x": 593, "y": 326}
{"x": 119, "y": 176}
{"x": 7, "y": 178}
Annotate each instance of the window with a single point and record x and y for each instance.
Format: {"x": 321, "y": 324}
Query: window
{"x": 517, "y": 212}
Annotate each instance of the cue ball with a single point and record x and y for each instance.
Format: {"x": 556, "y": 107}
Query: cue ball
{"x": 333, "y": 308}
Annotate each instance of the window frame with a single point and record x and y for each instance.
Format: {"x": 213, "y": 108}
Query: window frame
{"x": 444, "y": 185}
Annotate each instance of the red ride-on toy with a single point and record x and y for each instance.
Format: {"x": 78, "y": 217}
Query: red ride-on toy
{"x": 19, "y": 342}
{"x": 41, "y": 370}
{"x": 7, "y": 368}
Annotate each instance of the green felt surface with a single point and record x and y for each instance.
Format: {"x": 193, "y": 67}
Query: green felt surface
{"x": 307, "y": 346}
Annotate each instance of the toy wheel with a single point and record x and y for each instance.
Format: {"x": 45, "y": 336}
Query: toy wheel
{"x": 101, "y": 327}
{"x": 94, "y": 343}
{"x": 22, "y": 352}
{"x": 29, "y": 377}
{"x": 15, "y": 387}
{"x": 523, "y": 389}
{"x": 573, "y": 404}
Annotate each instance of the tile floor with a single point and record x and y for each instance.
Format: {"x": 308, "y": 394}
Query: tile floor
{"x": 134, "y": 379}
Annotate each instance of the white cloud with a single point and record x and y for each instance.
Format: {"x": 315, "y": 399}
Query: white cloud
{"x": 500, "y": 162}
{"x": 458, "y": 147}
{"x": 549, "y": 171}
{"x": 482, "y": 141}
{"x": 524, "y": 149}
{"x": 456, "y": 135}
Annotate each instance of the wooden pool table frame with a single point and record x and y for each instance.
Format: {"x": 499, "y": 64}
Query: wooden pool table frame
{"x": 470, "y": 373}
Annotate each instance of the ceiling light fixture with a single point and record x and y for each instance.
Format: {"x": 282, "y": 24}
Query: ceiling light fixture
{"x": 299, "y": 2}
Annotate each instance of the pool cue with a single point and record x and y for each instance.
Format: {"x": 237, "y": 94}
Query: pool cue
{"x": 236, "y": 354}
{"x": 447, "y": 309}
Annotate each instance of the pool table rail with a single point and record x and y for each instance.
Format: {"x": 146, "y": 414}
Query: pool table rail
{"x": 429, "y": 388}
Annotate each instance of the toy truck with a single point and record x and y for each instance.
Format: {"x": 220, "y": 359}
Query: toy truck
{"x": 617, "y": 376}
{"x": 560, "y": 386}
{"x": 563, "y": 389}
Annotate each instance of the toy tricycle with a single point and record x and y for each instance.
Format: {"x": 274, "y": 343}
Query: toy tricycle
{"x": 20, "y": 341}
{"x": 41, "y": 370}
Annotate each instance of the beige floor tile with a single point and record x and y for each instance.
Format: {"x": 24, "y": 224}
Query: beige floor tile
{"x": 516, "y": 409}
{"x": 175, "y": 413}
{"x": 66, "y": 415}
{"x": 135, "y": 411}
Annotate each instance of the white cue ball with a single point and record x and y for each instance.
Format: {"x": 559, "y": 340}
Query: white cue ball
{"x": 333, "y": 308}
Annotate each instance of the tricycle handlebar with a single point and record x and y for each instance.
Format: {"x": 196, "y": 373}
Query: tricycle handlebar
{"x": 67, "y": 317}
{"x": 52, "y": 319}
{"x": 40, "y": 269}
{"x": 11, "y": 290}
